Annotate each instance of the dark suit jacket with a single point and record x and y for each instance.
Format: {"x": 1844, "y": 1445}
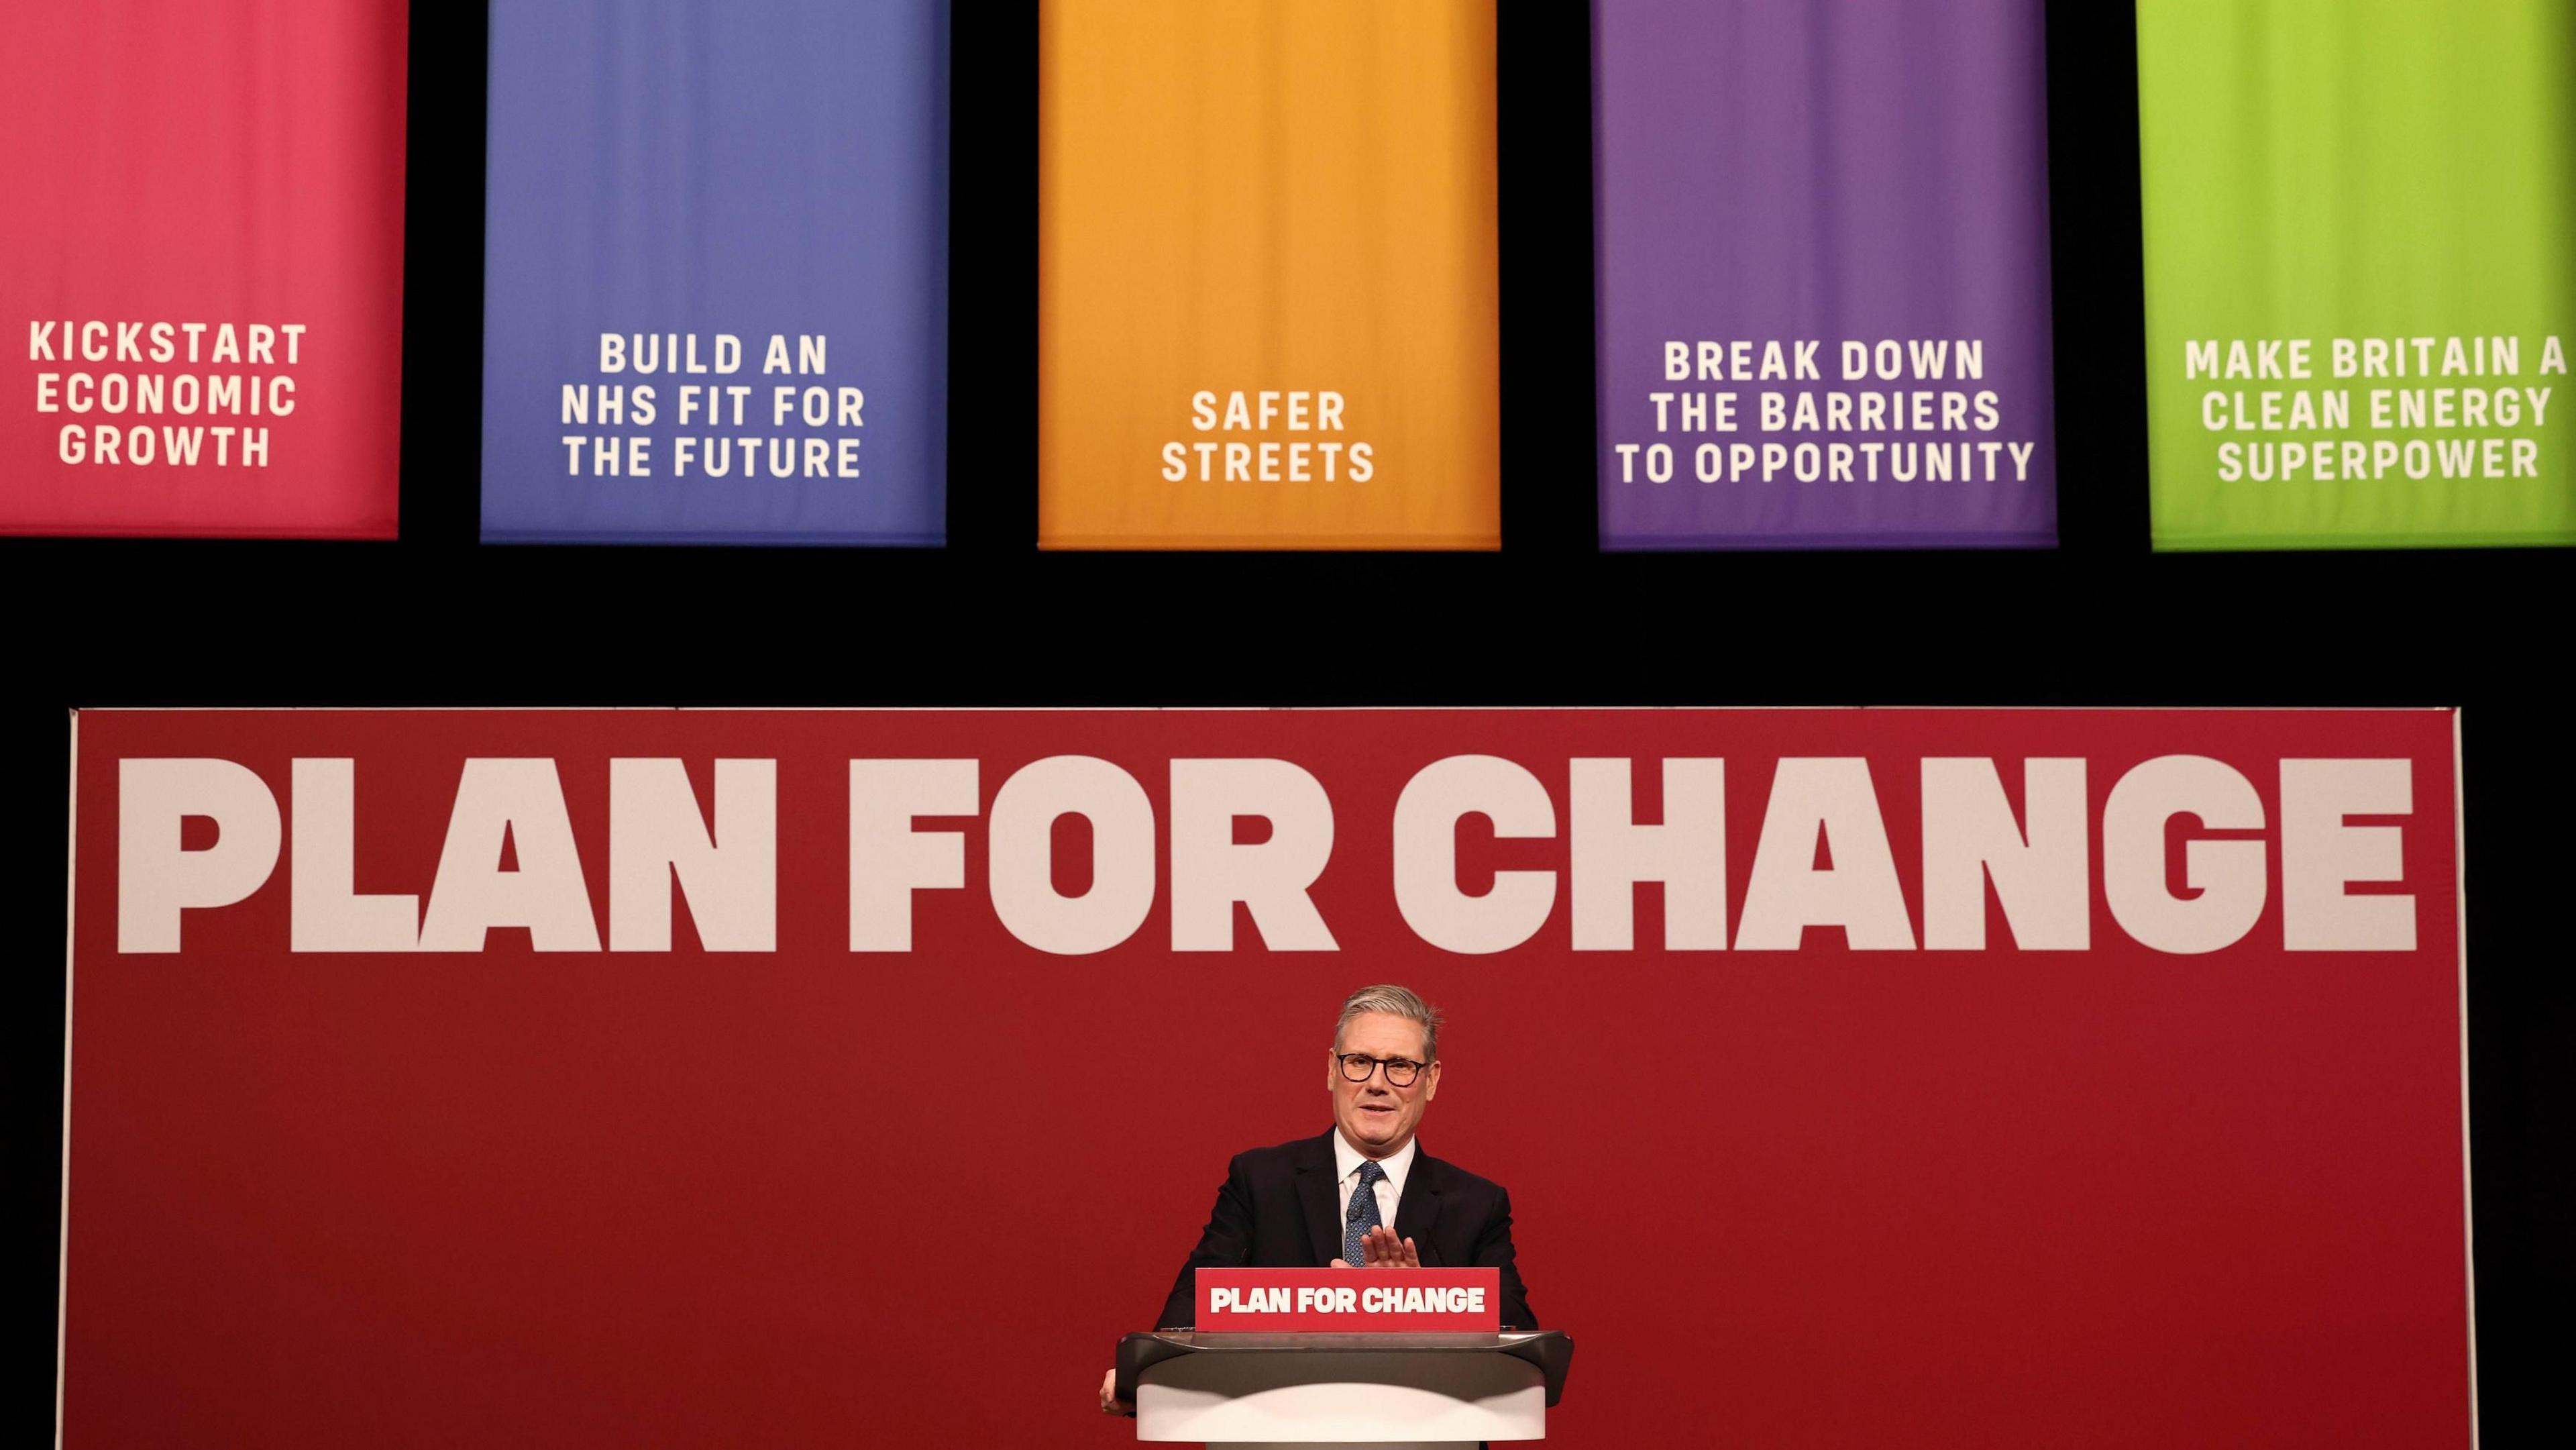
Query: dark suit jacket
{"x": 1280, "y": 1209}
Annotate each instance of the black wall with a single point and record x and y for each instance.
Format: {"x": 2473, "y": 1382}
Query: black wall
{"x": 435, "y": 619}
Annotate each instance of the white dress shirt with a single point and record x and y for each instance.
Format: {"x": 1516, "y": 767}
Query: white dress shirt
{"x": 1390, "y": 1189}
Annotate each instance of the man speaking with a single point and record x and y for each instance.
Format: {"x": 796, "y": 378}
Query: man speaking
{"x": 1363, "y": 1195}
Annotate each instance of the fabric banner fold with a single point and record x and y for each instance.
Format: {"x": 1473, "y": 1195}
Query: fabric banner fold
{"x": 1268, "y": 289}
{"x": 715, "y": 305}
{"x": 203, "y": 252}
{"x": 2361, "y": 271}
{"x": 1823, "y": 271}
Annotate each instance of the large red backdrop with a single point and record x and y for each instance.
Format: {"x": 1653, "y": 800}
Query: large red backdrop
{"x": 2116, "y": 1196}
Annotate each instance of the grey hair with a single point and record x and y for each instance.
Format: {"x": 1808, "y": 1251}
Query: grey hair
{"x": 1394, "y": 1001}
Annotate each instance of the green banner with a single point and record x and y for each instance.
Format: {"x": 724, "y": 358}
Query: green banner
{"x": 2361, "y": 271}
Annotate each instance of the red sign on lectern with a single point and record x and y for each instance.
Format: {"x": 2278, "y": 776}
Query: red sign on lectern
{"x": 1350, "y": 1301}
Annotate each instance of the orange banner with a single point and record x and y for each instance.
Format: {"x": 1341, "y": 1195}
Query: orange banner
{"x": 1268, "y": 302}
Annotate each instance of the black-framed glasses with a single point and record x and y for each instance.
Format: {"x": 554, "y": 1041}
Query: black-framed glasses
{"x": 1360, "y": 1067}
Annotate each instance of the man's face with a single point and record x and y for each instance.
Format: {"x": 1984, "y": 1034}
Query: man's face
{"x": 1379, "y": 1119}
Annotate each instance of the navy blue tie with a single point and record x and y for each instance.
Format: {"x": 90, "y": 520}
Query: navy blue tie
{"x": 1363, "y": 1215}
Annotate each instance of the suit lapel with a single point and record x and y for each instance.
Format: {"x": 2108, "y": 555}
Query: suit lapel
{"x": 1419, "y": 1210}
{"x": 1316, "y": 1181}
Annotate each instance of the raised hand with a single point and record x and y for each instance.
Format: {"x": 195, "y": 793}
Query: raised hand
{"x": 1381, "y": 1249}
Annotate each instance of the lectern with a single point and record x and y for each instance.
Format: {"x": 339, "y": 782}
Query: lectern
{"x": 1276, "y": 1361}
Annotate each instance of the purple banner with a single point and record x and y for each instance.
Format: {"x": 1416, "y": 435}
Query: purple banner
{"x": 1824, "y": 288}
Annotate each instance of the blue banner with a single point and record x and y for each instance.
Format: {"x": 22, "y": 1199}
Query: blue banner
{"x": 716, "y": 282}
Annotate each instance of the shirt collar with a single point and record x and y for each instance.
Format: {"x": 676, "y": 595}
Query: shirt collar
{"x": 1347, "y": 1160}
